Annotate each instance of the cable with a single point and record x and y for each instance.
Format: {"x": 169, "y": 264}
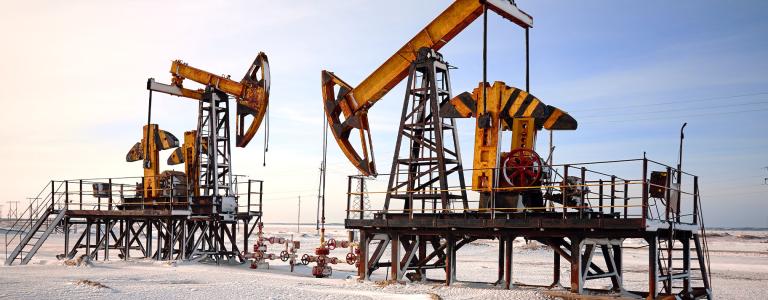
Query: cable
{"x": 680, "y": 116}
{"x": 673, "y": 102}
{"x": 675, "y": 110}
{"x": 325, "y": 156}
{"x": 485, "y": 56}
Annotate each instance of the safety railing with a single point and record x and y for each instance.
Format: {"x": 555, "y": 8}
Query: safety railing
{"x": 588, "y": 189}
{"x": 250, "y": 193}
{"x": 129, "y": 193}
{"x": 37, "y": 207}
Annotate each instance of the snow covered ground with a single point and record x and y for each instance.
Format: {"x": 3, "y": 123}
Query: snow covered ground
{"x": 739, "y": 271}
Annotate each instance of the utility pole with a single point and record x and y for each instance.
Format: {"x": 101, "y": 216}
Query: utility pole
{"x": 765, "y": 180}
{"x": 13, "y": 210}
{"x": 319, "y": 198}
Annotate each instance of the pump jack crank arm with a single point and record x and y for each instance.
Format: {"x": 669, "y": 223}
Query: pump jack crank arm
{"x": 344, "y": 106}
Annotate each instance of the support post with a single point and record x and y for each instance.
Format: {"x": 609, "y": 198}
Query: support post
{"x": 395, "y": 261}
{"x": 555, "y": 269}
{"x": 508, "y": 261}
{"x": 149, "y": 239}
{"x": 109, "y": 205}
{"x": 450, "y": 260}
{"x": 66, "y": 237}
{"x": 626, "y": 199}
{"x": 576, "y": 286}
{"x": 87, "y": 237}
{"x": 501, "y": 259}
{"x": 127, "y": 238}
{"x": 600, "y": 195}
{"x": 362, "y": 264}
{"x": 653, "y": 267}
{"x": 695, "y": 200}
{"x": 107, "y": 230}
{"x": 645, "y": 190}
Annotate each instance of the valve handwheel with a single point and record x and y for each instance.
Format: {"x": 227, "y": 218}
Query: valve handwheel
{"x": 284, "y": 256}
{"x": 351, "y": 258}
{"x": 522, "y": 167}
{"x": 305, "y": 259}
{"x": 331, "y": 244}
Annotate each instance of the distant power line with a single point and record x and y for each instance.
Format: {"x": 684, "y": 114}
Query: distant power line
{"x": 687, "y": 109}
{"x": 676, "y": 116}
{"x": 670, "y": 102}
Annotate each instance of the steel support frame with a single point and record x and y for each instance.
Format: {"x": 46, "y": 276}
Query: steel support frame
{"x": 422, "y": 173}
{"x": 168, "y": 238}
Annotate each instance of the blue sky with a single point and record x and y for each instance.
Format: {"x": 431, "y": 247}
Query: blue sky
{"x": 631, "y": 72}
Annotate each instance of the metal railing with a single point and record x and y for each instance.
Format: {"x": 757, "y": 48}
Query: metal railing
{"x": 586, "y": 188}
{"x": 116, "y": 193}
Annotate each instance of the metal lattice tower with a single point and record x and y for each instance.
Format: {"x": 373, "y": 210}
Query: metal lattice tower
{"x": 213, "y": 131}
{"x": 361, "y": 196}
{"x": 422, "y": 173}
{"x": 13, "y": 210}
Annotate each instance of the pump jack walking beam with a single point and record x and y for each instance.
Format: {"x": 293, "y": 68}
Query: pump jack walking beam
{"x": 251, "y": 93}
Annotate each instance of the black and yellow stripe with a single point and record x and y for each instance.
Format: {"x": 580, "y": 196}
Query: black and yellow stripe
{"x": 516, "y": 103}
{"x": 521, "y": 104}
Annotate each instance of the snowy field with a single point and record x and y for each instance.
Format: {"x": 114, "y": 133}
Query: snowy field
{"x": 739, "y": 271}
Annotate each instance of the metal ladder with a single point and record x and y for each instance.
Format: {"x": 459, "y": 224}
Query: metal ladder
{"x": 28, "y": 233}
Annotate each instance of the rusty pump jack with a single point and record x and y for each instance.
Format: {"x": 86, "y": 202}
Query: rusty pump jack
{"x": 206, "y": 151}
{"x": 428, "y": 129}
{"x": 347, "y": 108}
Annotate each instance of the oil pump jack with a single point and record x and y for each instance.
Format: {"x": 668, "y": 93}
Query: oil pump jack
{"x": 205, "y": 192}
{"x": 427, "y": 156}
{"x": 511, "y": 183}
{"x": 205, "y": 151}
{"x": 427, "y": 127}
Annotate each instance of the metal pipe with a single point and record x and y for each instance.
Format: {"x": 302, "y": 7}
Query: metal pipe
{"x": 527, "y": 65}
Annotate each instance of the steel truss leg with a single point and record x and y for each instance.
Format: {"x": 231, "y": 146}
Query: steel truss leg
{"x": 508, "y": 240}
{"x": 450, "y": 261}
{"x": 362, "y": 264}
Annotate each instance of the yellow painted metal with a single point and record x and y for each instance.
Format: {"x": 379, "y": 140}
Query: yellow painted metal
{"x": 486, "y": 139}
{"x": 191, "y": 166}
{"x": 187, "y": 154}
{"x": 505, "y": 105}
{"x": 347, "y": 111}
{"x": 251, "y": 93}
{"x": 152, "y": 156}
{"x": 523, "y": 133}
{"x": 148, "y": 150}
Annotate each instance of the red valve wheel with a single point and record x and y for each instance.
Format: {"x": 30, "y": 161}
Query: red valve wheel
{"x": 305, "y": 259}
{"x": 522, "y": 167}
{"x": 351, "y": 258}
{"x": 331, "y": 244}
{"x": 284, "y": 256}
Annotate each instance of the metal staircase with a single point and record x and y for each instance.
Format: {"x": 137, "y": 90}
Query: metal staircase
{"x": 682, "y": 259}
{"x": 28, "y": 233}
